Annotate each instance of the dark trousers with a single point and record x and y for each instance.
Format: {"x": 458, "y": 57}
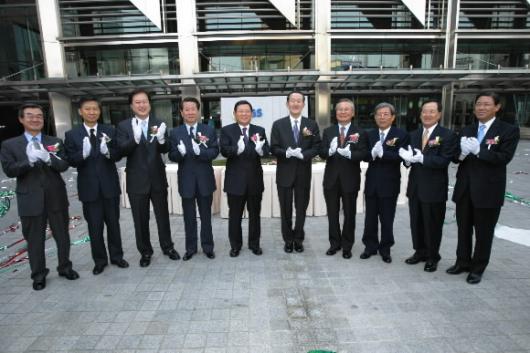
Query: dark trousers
{"x": 140, "y": 212}
{"x": 426, "y": 224}
{"x": 204, "y": 203}
{"x": 483, "y": 220}
{"x": 379, "y": 209}
{"x": 346, "y": 238}
{"x": 34, "y": 231}
{"x": 301, "y": 201}
{"x": 98, "y": 214}
{"x": 236, "y": 205}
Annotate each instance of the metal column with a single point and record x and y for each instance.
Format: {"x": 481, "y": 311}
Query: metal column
{"x": 451, "y": 41}
{"x": 322, "y": 18}
{"x": 188, "y": 45}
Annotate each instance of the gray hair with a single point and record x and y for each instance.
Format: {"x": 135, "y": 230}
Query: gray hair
{"x": 346, "y": 100}
{"x": 385, "y": 105}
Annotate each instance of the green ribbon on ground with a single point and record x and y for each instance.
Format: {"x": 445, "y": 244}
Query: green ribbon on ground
{"x": 516, "y": 199}
{"x": 5, "y": 202}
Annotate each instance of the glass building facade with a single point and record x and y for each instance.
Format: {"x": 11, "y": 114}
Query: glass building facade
{"x": 369, "y": 51}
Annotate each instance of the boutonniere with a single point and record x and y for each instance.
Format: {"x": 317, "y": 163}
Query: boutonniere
{"x": 105, "y": 138}
{"x": 201, "y": 139}
{"x": 435, "y": 142}
{"x": 255, "y": 138}
{"x": 53, "y": 148}
{"x": 353, "y": 138}
{"x": 152, "y": 132}
{"x": 493, "y": 141}
{"x": 306, "y": 132}
{"x": 392, "y": 142}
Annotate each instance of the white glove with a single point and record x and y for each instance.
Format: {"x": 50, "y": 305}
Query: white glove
{"x": 297, "y": 152}
{"x": 377, "y": 150}
{"x": 289, "y": 153}
{"x": 345, "y": 152}
{"x": 182, "y": 148}
{"x": 418, "y": 157}
{"x": 259, "y": 145}
{"x": 137, "y": 131}
{"x": 103, "y": 148}
{"x": 42, "y": 154}
{"x": 161, "y": 134}
{"x": 406, "y": 154}
{"x": 32, "y": 157}
{"x": 464, "y": 146}
{"x": 87, "y": 147}
{"x": 196, "y": 148}
{"x": 473, "y": 145}
{"x": 333, "y": 146}
{"x": 240, "y": 145}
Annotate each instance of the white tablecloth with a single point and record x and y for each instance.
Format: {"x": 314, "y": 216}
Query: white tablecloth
{"x": 270, "y": 206}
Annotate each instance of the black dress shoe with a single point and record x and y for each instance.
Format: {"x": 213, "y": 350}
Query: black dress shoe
{"x": 39, "y": 284}
{"x": 457, "y": 269}
{"x": 288, "y": 248}
{"x": 346, "y": 254}
{"x": 98, "y": 269}
{"x": 172, "y": 254}
{"x": 145, "y": 260}
{"x": 69, "y": 274}
{"x": 257, "y": 251}
{"x": 234, "y": 253}
{"x": 365, "y": 255}
{"x": 430, "y": 266}
{"x": 210, "y": 255}
{"x": 386, "y": 258}
{"x": 187, "y": 256}
{"x": 120, "y": 263}
{"x": 474, "y": 278}
{"x": 298, "y": 247}
{"x": 414, "y": 259}
{"x": 332, "y": 251}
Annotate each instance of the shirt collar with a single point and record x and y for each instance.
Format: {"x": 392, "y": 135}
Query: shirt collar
{"x": 299, "y": 120}
{"x": 243, "y": 127}
{"x": 194, "y": 126}
{"x": 431, "y": 129}
{"x": 29, "y": 137}
{"x": 488, "y": 123}
{"x": 347, "y": 127}
{"x": 385, "y": 131}
{"x": 140, "y": 120}
{"x": 87, "y": 128}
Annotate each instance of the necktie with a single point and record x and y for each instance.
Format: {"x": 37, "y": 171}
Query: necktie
{"x": 144, "y": 128}
{"x": 296, "y": 132}
{"x": 192, "y": 135}
{"x": 481, "y": 133}
{"x": 245, "y": 137}
{"x": 342, "y": 137}
{"x": 424, "y": 138}
{"x": 382, "y": 137}
{"x": 35, "y": 141}
{"x": 93, "y": 140}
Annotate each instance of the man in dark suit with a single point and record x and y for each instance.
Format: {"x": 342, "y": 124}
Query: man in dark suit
{"x": 344, "y": 146}
{"x": 486, "y": 148}
{"x": 194, "y": 146}
{"x": 295, "y": 140}
{"x": 243, "y": 144}
{"x": 142, "y": 139}
{"x": 434, "y": 147}
{"x": 383, "y": 179}
{"x": 92, "y": 149}
{"x": 37, "y": 160}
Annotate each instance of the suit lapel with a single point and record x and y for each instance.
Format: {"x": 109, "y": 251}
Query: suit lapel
{"x": 492, "y": 131}
{"x": 289, "y": 129}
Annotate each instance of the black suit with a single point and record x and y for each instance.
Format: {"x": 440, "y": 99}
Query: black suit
{"x": 293, "y": 174}
{"x": 342, "y": 180}
{"x": 381, "y": 190}
{"x": 427, "y": 190}
{"x": 41, "y": 198}
{"x": 98, "y": 188}
{"x": 146, "y": 181}
{"x": 479, "y": 192}
{"x": 243, "y": 183}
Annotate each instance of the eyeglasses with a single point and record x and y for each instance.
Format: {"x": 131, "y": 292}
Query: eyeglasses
{"x": 33, "y": 116}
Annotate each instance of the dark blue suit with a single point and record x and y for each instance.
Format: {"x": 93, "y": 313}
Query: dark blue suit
{"x": 196, "y": 181}
{"x": 381, "y": 190}
{"x": 243, "y": 183}
{"x": 427, "y": 191}
{"x": 98, "y": 188}
{"x": 479, "y": 192}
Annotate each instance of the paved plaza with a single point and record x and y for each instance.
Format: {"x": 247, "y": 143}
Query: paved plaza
{"x": 274, "y": 303}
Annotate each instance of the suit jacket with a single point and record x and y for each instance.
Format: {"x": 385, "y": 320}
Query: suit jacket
{"x": 484, "y": 176}
{"x": 243, "y": 172}
{"x": 289, "y": 170}
{"x": 429, "y": 181}
{"x": 195, "y": 173}
{"x": 383, "y": 177}
{"x": 145, "y": 168}
{"x": 40, "y": 185}
{"x": 346, "y": 171}
{"x": 97, "y": 176}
